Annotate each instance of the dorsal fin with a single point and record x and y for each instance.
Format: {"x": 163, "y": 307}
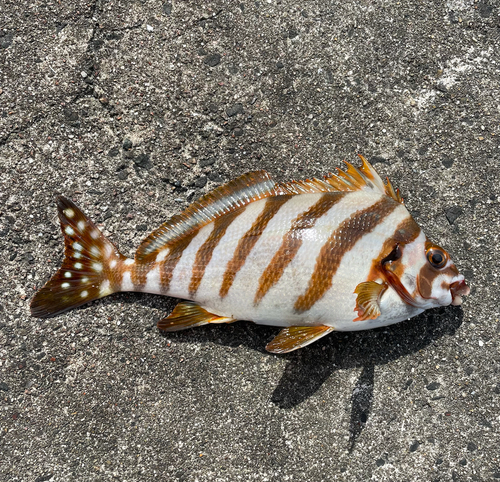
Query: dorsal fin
{"x": 237, "y": 193}
{"x": 251, "y": 187}
{"x": 366, "y": 177}
{"x": 307, "y": 186}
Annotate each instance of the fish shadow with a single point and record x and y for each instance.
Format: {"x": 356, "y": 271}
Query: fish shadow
{"x": 307, "y": 370}
{"x": 309, "y": 367}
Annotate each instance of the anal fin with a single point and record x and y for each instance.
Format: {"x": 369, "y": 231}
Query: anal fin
{"x": 189, "y": 315}
{"x": 295, "y": 337}
{"x": 368, "y": 300}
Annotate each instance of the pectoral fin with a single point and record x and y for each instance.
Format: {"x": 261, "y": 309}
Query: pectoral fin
{"x": 189, "y": 315}
{"x": 296, "y": 337}
{"x": 368, "y": 300}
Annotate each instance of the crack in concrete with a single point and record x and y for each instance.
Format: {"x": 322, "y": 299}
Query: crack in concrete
{"x": 89, "y": 91}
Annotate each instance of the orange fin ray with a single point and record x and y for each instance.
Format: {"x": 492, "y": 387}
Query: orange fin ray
{"x": 364, "y": 177}
{"x": 394, "y": 193}
{"x": 368, "y": 300}
{"x": 189, "y": 315}
{"x": 237, "y": 193}
{"x": 295, "y": 337}
{"x": 84, "y": 273}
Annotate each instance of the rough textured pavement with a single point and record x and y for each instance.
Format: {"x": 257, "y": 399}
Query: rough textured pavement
{"x": 136, "y": 108}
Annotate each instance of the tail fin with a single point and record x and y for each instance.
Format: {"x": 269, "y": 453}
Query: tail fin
{"x": 87, "y": 269}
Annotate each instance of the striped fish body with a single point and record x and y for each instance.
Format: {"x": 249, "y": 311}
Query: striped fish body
{"x": 304, "y": 265}
{"x": 312, "y": 256}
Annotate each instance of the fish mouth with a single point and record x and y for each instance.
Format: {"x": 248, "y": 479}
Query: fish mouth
{"x": 458, "y": 289}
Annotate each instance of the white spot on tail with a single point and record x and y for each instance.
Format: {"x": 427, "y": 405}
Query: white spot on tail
{"x": 77, "y": 246}
{"x": 105, "y": 288}
{"x": 85, "y": 280}
{"x": 67, "y": 274}
{"x": 84, "y": 294}
{"x": 69, "y": 212}
{"x": 65, "y": 285}
{"x": 112, "y": 263}
{"x": 108, "y": 251}
{"x": 162, "y": 255}
{"x": 69, "y": 230}
{"x": 94, "y": 250}
{"x": 77, "y": 255}
{"x": 97, "y": 266}
{"x": 127, "y": 284}
{"x": 78, "y": 265}
{"x": 94, "y": 234}
{"x": 81, "y": 225}
{"x": 128, "y": 261}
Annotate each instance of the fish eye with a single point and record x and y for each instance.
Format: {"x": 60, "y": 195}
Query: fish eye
{"x": 394, "y": 255}
{"x": 436, "y": 258}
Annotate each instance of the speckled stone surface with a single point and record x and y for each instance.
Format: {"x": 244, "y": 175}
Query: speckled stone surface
{"x": 134, "y": 109}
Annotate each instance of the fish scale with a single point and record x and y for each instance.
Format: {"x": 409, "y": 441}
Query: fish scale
{"x": 310, "y": 256}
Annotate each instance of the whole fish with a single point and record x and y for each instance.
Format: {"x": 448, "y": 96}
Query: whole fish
{"x": 311, "y": 256}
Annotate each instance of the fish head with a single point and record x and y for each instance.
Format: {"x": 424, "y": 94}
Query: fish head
{"x": 424, "y": 275}
{"x": 439, "y": 280}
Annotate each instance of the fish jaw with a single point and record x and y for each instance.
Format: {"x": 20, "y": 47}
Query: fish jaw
{"x": 459, "y": 289}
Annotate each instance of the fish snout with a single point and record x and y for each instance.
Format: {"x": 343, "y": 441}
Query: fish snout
{"x": 458, "y": 289}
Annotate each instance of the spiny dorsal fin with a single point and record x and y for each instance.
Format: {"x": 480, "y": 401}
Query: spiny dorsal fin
{"x": 237, "y": 193}
{"x": 295, "y": 337}
{"x": 85, "y": 273}
{"x": 189, "y": 315}
{"x": 252, "y": 187}
{"x": 307, "y": 186}
{"x": 365, "y": 177}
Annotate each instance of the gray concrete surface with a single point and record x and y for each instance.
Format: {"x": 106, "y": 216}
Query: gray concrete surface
{"x": 135, "y": 108}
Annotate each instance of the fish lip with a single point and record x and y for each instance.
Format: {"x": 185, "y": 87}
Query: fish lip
{"x": 458, "y": 289}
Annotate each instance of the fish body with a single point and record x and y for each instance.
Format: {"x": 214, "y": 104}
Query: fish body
{"x": 273, "y": 285}
{"x": 310, "y": 256}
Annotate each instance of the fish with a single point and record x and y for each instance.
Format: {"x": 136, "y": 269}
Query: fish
{"x": 315, "y": 256}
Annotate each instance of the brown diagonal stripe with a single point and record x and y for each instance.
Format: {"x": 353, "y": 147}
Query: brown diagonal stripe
{"x": 204, "y": 254}
{"x": 406, "y": 232}
{"x": 168, "y": 265}
{"x": 292, "y": 241}
{"x": 247, "y": 242}
{"x": 139, "y": 273}
{"x": 341, "y": 241}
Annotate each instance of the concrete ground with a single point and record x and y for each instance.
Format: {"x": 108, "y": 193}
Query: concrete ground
{"x": 134, "y": 109}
